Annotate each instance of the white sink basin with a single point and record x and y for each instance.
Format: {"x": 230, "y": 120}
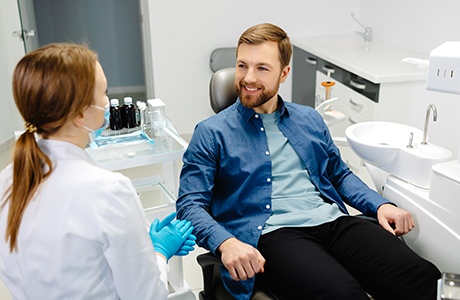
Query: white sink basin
{"x": 385, "y": 145}
{"x": 378, "y": 143}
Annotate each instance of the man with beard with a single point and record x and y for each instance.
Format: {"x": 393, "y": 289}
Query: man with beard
{"x": 264, "y": 187}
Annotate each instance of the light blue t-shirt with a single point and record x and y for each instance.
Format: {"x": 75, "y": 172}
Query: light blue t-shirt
{"x": 295, "y": 200}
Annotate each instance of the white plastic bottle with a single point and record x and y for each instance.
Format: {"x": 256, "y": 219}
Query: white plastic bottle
{"x": 159, "y": 123}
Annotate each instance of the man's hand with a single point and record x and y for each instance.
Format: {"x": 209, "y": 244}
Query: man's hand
{"x": 242, "y": 260}
{"x": 394, "y": 219}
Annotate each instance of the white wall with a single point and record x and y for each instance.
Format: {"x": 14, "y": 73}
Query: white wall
{"x": 421, "y": 26}
{"x": 11, "y": 50}
{"x": 185, "y": 32}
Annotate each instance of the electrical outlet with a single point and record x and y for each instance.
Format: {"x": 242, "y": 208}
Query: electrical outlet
{"x": 444, "y": 68}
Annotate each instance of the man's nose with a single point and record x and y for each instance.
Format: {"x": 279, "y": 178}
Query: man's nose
{"x": 250, "y": 76}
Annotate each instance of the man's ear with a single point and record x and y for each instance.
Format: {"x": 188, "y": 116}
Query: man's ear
{"x": 285, "y": 73}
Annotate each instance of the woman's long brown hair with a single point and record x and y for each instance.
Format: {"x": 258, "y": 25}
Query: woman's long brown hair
{"x": 51, "y": 86}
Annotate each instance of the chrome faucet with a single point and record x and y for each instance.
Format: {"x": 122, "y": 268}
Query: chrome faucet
{"x": 367, "y": 34}
{"x": 430, "y": 107}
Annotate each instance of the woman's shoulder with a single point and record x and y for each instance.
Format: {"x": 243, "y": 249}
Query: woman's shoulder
{"x": 88, "y": 177}
{"x": 6, "y": 172}
{"x": 89, "y": 172}
{"x": 6, "y": 178}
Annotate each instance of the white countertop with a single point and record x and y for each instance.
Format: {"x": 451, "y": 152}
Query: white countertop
{"x": 375, "y": 61}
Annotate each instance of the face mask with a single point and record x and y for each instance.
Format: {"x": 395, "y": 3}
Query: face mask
{"x": 95, "y": 133}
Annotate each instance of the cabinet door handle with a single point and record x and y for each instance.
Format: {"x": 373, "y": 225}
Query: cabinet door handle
{"x": 357, "y": 85}
{"x": 351, "y": 120}
{"x": 328, "y": 70}
{"x": 355, "y": 104}
{"x": 311, "y": 61}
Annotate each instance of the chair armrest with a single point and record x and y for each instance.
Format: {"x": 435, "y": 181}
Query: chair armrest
{"x": 208, "y": 259}
{"x": 210, "y": 265}
{"x": 212, "y": 281}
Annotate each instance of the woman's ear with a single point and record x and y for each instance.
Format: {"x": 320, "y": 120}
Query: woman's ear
{"x": 79, "y": 120}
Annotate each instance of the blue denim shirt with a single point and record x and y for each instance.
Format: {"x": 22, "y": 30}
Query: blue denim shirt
{"x": 225, "y": 185}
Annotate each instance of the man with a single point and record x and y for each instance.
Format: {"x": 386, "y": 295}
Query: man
{"x": 264, "y": 186}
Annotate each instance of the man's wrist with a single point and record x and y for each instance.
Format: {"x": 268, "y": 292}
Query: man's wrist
{"x": 225, "y": 244}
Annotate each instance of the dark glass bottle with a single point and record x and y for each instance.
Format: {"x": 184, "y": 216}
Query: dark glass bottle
{"x": 128, "y": 113}
{"x": 115, "y": 115}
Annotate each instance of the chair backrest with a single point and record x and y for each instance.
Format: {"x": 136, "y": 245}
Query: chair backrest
{"x": 222, "y": 91}
{"x": 222, "y": 58}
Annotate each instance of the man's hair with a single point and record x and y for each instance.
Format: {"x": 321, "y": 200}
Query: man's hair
{"x": 267, "y": 32}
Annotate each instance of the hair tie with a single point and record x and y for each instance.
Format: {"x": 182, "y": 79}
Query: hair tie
{"x": 30, "y": 127}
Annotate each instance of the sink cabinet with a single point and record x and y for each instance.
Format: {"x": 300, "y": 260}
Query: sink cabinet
{"x": 303, "y": 77}
{"x": 305, "y": 69}
{"x": 357, "y": 108}
{"x": 371, "y": 83}
{"x": 309, "y": 71}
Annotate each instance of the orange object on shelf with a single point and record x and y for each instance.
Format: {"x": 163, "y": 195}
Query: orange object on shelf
{"x": 328, "y": 85}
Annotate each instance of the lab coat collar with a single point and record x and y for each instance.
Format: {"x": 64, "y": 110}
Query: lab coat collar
{"x": 63, "y": 150}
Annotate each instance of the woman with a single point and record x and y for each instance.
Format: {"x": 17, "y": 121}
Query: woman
{"x": 73, "y": 230}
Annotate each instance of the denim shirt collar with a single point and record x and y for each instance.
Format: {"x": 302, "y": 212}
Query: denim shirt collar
{"x": 248, "y": 113}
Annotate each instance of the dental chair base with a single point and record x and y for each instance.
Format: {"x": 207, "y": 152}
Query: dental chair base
{"x": 436, "y": 236}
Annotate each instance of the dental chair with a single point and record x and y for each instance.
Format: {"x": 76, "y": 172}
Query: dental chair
{"x": 222, "y": 92}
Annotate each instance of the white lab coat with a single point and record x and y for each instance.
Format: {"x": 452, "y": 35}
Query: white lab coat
{"x": 82, "y": 237}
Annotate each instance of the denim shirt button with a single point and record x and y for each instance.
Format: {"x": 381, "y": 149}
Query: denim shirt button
{"x": 259, "y": 227}
{"x": 256, "y": 116}
{"x": 267, "y": 206}
{"x": 269, "y": 179}
{"x": 267, "y": 153}
{"x": 262, "y": 129}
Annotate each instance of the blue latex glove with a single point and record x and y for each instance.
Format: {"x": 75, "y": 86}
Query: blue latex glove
{"x": 159, "y": 225}
{"x": 187, "y": 246}
{"x": 168, "y": 237}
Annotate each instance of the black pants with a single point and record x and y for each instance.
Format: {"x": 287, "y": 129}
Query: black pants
{"x": 344, "y": 259}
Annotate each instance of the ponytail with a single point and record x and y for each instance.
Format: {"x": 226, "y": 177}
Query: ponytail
{"x": 30, "y": 168}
